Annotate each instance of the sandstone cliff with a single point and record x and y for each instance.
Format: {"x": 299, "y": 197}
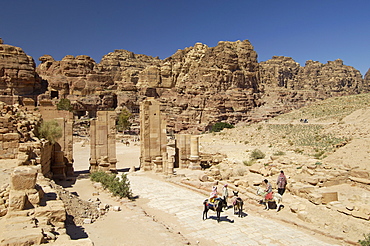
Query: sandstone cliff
{"x": 17, "y": 73}
{"x": 286, "y": 85}
{"x": 197, "y": 86}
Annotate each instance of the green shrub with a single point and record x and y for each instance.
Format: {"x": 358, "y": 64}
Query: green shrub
{"x": 366, "y": 241}
{"x": 50, "y": 130}
{"x": 219, "y": 126}
{"x": 118, "y": 186}
{"x": 257, "y": 154}
{"x": 64, "y": 104}
{"x": 248, "y": 163}
{"x": 279, "y": 153}
{"x": 318, "y": 154}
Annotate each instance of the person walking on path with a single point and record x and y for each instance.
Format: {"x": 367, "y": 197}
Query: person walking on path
{"x": 225, "y": 194}
{"x": 281, "y": 182}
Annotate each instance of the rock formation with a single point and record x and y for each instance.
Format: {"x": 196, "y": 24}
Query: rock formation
{"x": 367, "y": 77}
{"x": 197, "y": 86}
{"x": 286, "y": 85}
{"x": 17, "y": 74}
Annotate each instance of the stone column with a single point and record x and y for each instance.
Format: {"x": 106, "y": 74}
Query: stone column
{"x": 183, "y": 146}
{"x": 103, "y": 142}
{"x": 152, "y": 135}
{"x": 194, "y": 153}
{"x": 112, "y": 159}
{"x": 93, "y": 158}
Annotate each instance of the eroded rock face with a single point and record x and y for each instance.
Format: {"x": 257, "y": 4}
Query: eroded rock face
{"x": 17, "y": 72}
{"x": 367, "y": 77}
{"x": 286, "y": 85}
{"x": 200, "y": 85}
{"x": 210, "y": 85}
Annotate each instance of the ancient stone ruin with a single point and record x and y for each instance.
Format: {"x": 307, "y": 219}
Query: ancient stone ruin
{"x": 103, "y": 142}
{"x": 153, "y": 137}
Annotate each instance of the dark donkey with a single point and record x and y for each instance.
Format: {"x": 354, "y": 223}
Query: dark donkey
{"x": 217, "y": 207}
{"x": 237, "y": 204}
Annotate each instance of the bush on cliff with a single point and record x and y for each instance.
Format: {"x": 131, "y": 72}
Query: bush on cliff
{"x": 119, "y": 186}
{"x": 219, "y": 126}
{"x": 64, "y": 104}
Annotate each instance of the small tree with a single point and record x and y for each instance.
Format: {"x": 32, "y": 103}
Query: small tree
{"x": 50, "y": 130}
{"x": 123, "y": 120}
{"x": 219, "y": 126}
{"x": 64, "y": 104}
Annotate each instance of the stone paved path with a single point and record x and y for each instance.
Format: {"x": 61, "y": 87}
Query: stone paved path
{"x": 249, "y": 230}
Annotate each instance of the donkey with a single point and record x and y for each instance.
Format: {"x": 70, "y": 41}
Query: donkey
{"x": 277, "y": 198}
{"x": 217, "y": 207}
{"x": 237, "y": 204}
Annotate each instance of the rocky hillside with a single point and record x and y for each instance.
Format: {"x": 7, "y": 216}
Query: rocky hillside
{"x": 197, "y": 86}
{"x": 327, "y": 154}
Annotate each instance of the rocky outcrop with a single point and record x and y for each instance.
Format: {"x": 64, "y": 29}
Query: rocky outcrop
{"x": 286, "y": 85}
{"x": 367, "y": 77}
{"x": 210, "y": 84}
{"x": 17, "y": 73}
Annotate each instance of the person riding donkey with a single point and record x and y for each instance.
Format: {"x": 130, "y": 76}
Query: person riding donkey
{"x": 213, "y": 195}
{"x": 268, "y": 190}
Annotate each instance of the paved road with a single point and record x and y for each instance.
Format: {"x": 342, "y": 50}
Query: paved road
{"x": 249, "y": 230}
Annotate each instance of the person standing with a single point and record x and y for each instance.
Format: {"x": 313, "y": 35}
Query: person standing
{"x": 225, "y": 194}
{"x": 281, "y": 182}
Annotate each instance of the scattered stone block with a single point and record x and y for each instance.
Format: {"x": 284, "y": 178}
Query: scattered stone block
{"x": 116, "y": 208}
{"x": 329, "y": 197}
{"x": 27, "y": 236}
{"x": 17, "y": 200}
{"x": 315, "y": 198}
{"x": 361, "y": 215}
{"x": 87, "y": 221}
{"x": 357, "y": 173}
{"x": 303, "y": 215}
{"x": 360, "y": 180}
{"x": 312, "y": 180}
{"x": 203, "y": 177}
{"x": 54, "y": 210}
{"x": 23, "y": 178}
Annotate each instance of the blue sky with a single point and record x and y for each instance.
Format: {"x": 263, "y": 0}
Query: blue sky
{"x": 319, "y": 30}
